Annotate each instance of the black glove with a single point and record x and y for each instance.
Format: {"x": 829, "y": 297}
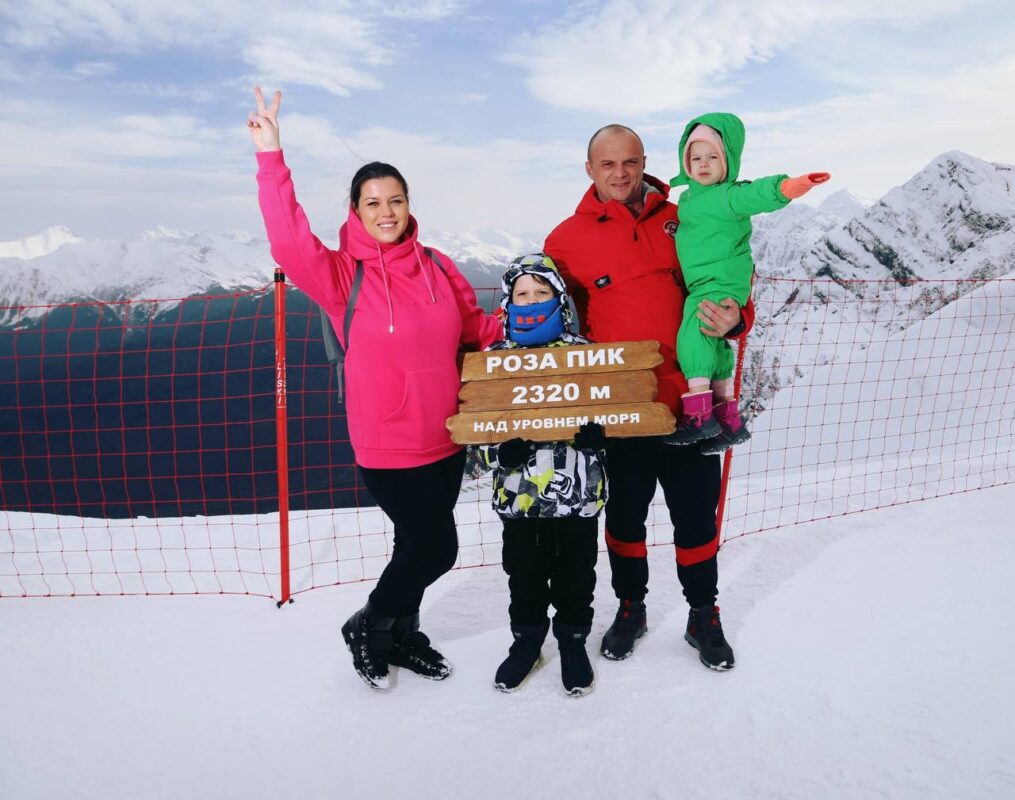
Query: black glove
{"x": 514, "y": 452}
{"x": 590, "y": 436}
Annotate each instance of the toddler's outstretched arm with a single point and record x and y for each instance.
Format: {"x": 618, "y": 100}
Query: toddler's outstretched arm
{"x": 798, "y": 187}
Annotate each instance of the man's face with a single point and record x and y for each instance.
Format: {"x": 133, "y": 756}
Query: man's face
{"x": 617, "y": 166}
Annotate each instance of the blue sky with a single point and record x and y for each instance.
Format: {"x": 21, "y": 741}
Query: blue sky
{"x": 120, "y": 116}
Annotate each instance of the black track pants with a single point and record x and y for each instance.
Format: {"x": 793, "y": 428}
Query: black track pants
{"x": 420, "y": 501}
{"x": 551, "y": 562}
{"x": 690, "y": 484}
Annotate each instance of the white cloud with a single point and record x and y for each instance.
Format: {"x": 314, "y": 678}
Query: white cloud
{"x": 636, "y": 58}
{"x": 86, "y": 70}
{"x": 423, "y": 9}
{"x": 873, "y": 141}
{"x": 123, "y": 175}
{"x": 278, "y": 64}
{"x": 525, "y": 186}
{"x": 330, "y": 44}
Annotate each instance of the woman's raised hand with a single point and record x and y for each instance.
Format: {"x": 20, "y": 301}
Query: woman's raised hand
{"x": 263, "y": 123}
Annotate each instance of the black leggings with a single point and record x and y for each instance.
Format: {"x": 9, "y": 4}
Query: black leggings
{"x": 551, "y": 561}
{"x": 420, "y": 501}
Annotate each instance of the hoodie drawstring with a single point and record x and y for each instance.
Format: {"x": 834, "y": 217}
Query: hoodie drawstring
{"x": 387, "y": 291}
{"x": 429, "y": 286}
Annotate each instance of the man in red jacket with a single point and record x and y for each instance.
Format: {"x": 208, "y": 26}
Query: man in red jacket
{"x": 617, "y": 254}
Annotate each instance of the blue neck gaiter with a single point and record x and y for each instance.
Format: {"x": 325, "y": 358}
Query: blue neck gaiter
{"x": 536, "y": 324}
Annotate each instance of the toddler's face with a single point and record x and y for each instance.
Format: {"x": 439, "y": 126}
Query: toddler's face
{"x": 528, "y": 290}
{"x": 706, "y": 167}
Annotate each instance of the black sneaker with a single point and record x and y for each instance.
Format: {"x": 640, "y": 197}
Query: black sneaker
{"x": 413, "y": 652}
{"x": 370, "y": 641}
{"x": 628, "y": 627}
{"x": 704, "y": 633}
{"x": 524, "y": 655}
{"x": 575, "y": 669}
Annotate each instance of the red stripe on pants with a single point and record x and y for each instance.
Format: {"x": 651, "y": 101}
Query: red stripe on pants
{"x": 626, "y": 549}
{"x": 687, "y": 556}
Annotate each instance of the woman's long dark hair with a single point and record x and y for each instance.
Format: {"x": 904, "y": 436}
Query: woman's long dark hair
{"x": 372, "y": 171}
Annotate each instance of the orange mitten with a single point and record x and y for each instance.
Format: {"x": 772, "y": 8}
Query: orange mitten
{"x": 798, "y": 187}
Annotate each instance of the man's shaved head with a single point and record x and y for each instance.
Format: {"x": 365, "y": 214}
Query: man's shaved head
{"x": 616, "y": 165}
{"x": 613, "y": 128}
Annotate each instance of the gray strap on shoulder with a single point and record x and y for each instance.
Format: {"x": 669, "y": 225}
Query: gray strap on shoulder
{"x": 429, "y": 253}
{"x": 350, "y": 306}
{"x": 332, "y": 346}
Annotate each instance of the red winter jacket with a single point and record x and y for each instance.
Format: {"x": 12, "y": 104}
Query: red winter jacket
{"x": 624, "y": 276}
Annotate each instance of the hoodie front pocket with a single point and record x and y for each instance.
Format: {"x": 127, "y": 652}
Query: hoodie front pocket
{"x": 429, "y": 397}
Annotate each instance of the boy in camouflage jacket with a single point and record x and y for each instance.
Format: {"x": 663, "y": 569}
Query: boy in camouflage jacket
{"x": 548, "y": 495}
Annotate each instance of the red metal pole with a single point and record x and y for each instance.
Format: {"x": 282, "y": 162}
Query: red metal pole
{"x": 281, "y": 437}
{"x": 727, "y": 458}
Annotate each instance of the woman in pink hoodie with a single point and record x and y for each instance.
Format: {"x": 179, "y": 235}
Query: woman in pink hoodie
{"x": 412, "y": 313}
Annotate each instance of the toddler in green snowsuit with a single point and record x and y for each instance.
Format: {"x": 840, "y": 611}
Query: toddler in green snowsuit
{"x": 714, "y": 249}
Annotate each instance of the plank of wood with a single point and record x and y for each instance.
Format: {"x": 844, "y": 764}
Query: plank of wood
{"x": 551, "y": 424}
{"x": 559, "y": 391}
{"x": 544, "y": 361}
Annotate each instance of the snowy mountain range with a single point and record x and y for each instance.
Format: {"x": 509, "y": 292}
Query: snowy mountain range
{"x": 827, "y": 277}
{"x": 56, "y": 266}
{"x": 940, "y": 235}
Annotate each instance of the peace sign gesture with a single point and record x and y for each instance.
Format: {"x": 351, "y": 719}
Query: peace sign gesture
{"x": 263, "y": 123}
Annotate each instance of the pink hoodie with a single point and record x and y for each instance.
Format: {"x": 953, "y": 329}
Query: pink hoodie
{"x": 409, "y": 323}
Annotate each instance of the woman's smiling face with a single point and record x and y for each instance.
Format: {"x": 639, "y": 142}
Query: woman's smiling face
{"x": 383, "y": 208}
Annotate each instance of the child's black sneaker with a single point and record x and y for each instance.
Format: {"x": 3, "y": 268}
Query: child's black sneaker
{"x": 575, "y": 669}
{"x": 628, "y": 627}
{"x": 704, "y": 633}
{"x": 523, "y": 656}
{"x": 370, "y": 640}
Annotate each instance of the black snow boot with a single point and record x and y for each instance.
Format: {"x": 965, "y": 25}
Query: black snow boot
{"x": 575, "y": 670}
{"x": 369, "y": 637}
{"x": 704, "y": 633}
{"x": 414, "y": 653}
{"x": 523, "y": 656}
{"x": 628, "y": 627}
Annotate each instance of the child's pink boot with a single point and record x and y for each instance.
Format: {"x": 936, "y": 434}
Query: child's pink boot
{"x": 696, "y": 420}
{"x": 733, "y": 429}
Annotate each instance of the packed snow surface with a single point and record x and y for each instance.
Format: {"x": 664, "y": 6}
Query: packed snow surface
{"x": 874, "y": 659}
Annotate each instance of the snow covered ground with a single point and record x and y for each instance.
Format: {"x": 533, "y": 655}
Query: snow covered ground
{"x": 874, "y": 659}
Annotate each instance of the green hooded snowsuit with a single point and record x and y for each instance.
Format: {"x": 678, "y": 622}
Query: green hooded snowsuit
{"x": 714, "y": 244}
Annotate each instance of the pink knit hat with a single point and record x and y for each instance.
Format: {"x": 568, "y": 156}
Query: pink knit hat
{"x": 704, "y": 133}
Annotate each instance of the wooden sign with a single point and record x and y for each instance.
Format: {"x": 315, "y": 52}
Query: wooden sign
{"x": 547, "y": 393}
{"x": 543, "y": 361}
{"x": 559, "y": 391}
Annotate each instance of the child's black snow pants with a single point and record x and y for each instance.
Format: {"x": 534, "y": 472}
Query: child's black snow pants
{"x": 551, "y": 561}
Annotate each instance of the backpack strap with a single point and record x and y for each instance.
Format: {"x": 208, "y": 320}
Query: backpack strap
{"x": 332, "y": 346}
{"x": 350, "y": 306}
{"x": 428, "y": 252}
